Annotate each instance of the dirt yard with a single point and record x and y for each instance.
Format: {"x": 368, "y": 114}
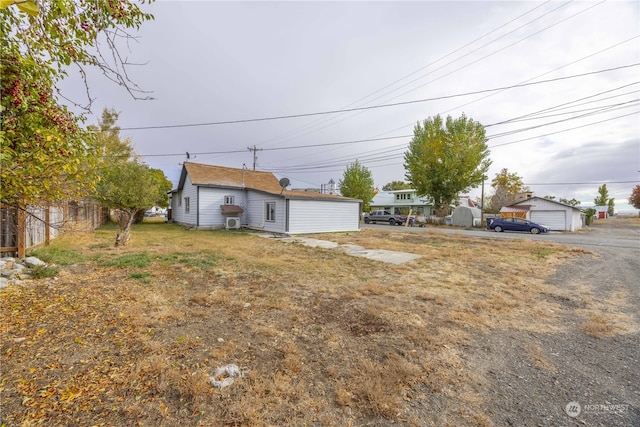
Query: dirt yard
{"x": 473, "y": 333}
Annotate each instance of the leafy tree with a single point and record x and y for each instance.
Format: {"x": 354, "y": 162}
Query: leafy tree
{"x": 53, "y": 35}
{"x": 572, "y": 202}
{"x": 396, "y": 185}
{"x": 634, "y": 199}
{"x": 357, "y": 182}
{"x": 129, "y": 187}
{"x": 603, "y": 196}
{"x": 549, "y": 197}
{"x": 446, "y": 158}
{"x": 589, "y": 213}
{"x": 603, "y": 199}
{"x": 505, "y": 185}
{"x": 107, "y": 144}
{"x": 43, "y": 156}
{"x": 126, "y": 185}
{"x": 44, "y": 153}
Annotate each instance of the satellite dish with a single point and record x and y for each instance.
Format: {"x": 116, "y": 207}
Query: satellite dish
{"x": 284, "y": 182}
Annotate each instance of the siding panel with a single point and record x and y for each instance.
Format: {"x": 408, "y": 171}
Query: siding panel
{"x": 311, "y": 216}
{"x": 210, "y": 201}
{"x": 256, "y": 213}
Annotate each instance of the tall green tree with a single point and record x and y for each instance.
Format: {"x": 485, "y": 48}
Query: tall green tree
{"x": 107, "y": 143}
{"x": 603, "y": 199}
{"x": 396, "y": 185}
{"x": 505, "y": 187}
{"x": 44, "y": 153}
{"x": 357, "y": 183}
{"x": 446, "y": 158}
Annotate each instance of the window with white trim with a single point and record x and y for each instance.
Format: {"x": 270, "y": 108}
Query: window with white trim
{"x": 270, "y": 211}
{"x": 229, "y": 200}
{"x": 186, "y": 205}
{"x": 403, "y": 196}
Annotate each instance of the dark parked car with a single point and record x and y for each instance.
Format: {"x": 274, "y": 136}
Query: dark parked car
{"x": 517, "y": 224}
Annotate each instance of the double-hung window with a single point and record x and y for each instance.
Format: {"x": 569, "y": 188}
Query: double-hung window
{"x": 270, "y": 211}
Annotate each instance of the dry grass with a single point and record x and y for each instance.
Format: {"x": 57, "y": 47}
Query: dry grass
{"x": 328, "y": 339}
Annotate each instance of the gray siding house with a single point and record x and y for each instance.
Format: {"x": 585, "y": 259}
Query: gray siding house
{"x": 210, "y": 197}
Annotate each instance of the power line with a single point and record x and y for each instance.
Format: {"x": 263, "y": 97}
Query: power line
{"x": 586, "y": 183}
{"x": 389, "y": 138}
{"x": 565, "y": 130}
{"x": 566, "y": 104}
{"x": 607, "y": 108}
{"x": 291, "y": 116}
{"x": 525, "y": 81}
{"x": 319, "y": 120}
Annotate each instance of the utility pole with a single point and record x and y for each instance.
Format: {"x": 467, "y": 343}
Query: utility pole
{"x": 482, "y": 202}
{"x": 255, "y": 157}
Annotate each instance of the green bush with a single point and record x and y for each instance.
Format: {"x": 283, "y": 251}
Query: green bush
{"x": 42, "y": 271}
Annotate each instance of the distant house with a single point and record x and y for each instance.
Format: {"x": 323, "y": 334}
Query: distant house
{"x": 555, "y": 215}
{"x": 219, "y": 197}
{"x": 602, "y": 212}
{"x": 401, "y": 201}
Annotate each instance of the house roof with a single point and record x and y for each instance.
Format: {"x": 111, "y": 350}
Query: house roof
{"x": 224, "y": 177}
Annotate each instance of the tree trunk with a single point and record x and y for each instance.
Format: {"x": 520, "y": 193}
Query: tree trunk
{"x": 441, "y": 210}
{"x": 125, "y": 219}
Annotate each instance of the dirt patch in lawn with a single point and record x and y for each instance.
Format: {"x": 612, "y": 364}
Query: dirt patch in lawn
{"x": 132, "y": 336}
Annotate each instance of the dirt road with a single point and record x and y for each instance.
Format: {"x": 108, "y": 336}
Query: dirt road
{"x": 588, "y": 371}
{"x": 570, "y": 377}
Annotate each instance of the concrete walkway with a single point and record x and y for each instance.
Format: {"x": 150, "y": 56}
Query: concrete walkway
{"x": 383, "y": 255}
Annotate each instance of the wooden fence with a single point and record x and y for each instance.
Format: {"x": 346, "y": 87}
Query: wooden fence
{"x": 24, "y": 229}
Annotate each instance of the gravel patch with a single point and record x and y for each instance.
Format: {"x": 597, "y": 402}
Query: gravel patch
{"x": 571, "y": 378}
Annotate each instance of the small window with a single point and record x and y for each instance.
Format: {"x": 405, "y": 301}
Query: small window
{"x": 186, "y": 205}
{"x": 270, "y": 214}
{"x": 229, "y": 200}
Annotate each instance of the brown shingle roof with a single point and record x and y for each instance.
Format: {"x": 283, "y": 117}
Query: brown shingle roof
{"x": 230, "y": 177}
{"x": 209, "y": 175}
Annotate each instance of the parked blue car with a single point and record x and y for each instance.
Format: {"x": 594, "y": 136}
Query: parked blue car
{"x": 517, "y": 224}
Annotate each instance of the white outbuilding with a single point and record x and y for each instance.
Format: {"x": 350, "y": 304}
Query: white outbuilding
{"x": 555, "y": 215}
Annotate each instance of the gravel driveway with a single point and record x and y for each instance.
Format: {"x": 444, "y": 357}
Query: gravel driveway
{"x": 570, "y": 378}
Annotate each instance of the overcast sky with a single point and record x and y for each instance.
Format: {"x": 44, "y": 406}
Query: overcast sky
{"x": 211, "y": 62}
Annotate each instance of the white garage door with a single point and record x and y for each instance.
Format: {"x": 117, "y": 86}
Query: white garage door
{"x": 555, "y": 220}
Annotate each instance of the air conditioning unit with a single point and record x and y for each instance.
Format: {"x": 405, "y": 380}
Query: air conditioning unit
{"x": 232, "y": 222}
